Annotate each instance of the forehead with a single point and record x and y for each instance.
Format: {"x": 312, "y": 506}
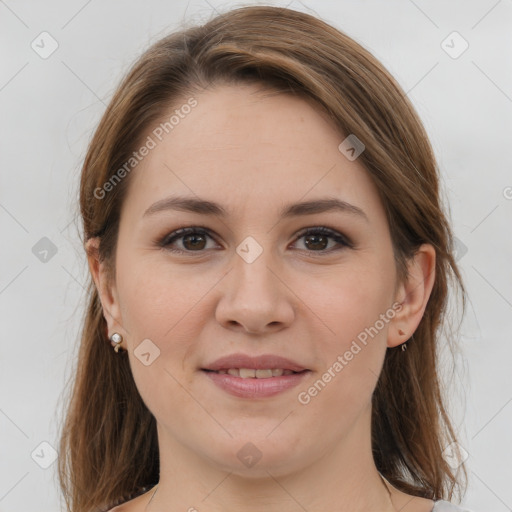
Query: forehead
{"x": 244, "y": 146}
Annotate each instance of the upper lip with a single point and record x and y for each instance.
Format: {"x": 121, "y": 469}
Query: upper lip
{"x": 262, "y": 362}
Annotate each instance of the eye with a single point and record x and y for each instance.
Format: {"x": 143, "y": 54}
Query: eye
{"x": 323, "y": 240}
{"x": 193, "y": 239}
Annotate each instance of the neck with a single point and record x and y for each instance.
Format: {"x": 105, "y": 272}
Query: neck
{"x": 370, "y": 502}
{"x": 344, "y": 479}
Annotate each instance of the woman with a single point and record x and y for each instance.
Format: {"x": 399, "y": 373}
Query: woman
{"x": 271, "y": 262}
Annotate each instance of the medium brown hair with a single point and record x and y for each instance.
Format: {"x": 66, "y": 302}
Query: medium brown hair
{"x": 109, "y": 446}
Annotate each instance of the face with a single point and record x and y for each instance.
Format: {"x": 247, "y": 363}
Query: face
{"x": 251, "y": 281}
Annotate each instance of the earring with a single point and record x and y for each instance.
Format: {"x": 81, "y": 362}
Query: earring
{"x": 404, "y": 345}
{"x": 116, "y": 340}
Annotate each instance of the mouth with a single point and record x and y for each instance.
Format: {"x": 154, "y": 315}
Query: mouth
{"x": 254, "y": 376}
{"x": 252, "y": 383}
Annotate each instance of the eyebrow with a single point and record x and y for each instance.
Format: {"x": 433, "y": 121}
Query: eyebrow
{"x": 204, "y": 207}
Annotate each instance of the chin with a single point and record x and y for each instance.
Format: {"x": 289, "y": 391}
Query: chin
{"x": 257, "y": 456}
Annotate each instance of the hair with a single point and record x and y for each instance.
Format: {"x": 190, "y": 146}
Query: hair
{"x": 108, "y": 445}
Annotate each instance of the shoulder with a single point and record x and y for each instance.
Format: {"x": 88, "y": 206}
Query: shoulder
{"x": 445, "y": 506}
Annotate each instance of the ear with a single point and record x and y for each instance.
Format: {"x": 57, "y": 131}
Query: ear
{"x": 413, "y": 295}
{"x": 106, "y": 287}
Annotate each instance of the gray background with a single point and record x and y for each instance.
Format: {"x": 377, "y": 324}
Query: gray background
{"x": 50, "y": 107}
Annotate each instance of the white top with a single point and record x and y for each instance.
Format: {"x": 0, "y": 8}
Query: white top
{"x": 444, "y": 506}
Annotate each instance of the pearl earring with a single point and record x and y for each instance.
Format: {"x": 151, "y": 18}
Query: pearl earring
{"x": 116, "y": 340}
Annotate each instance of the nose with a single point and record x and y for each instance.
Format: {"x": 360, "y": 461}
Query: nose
{"x": 255, "y": 298}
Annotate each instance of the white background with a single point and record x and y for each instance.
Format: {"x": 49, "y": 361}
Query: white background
{"x": 50, "y": 107}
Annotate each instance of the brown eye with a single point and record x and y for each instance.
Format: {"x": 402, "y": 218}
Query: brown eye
{"x": 318, "y": 240}
{"x": 186, "y": 240}
{"x": 193, "y": 242}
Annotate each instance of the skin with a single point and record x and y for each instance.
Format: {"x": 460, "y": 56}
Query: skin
{"x": 254, "y": 152}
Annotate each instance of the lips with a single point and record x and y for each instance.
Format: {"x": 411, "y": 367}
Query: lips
{"x": 261, "y": 362}
{"x": 255, "y": 388}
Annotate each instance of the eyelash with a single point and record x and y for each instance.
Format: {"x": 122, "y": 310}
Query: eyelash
{"x": 341, "y": 240}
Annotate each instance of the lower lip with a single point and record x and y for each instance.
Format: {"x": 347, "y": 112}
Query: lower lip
{"x": 253, "y": 387}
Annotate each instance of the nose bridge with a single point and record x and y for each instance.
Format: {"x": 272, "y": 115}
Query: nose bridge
{"x": 252, "y": 270}
{"x": 253, "y": 296}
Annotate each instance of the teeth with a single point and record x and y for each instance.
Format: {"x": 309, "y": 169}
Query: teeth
{"x": 263, "y": 374}
{"x": 251, "y": 373}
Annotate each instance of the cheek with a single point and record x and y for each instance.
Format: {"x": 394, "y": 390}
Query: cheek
{"x": 350, "y": 300}
{"x": 158, "y": 299}
{"x": 165, "y": 308}
{"x": 350, "y": 360}
{"x": 354, "y": 306}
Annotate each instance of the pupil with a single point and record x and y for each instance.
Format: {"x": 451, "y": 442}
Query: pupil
{"x": 315, "y": 239}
